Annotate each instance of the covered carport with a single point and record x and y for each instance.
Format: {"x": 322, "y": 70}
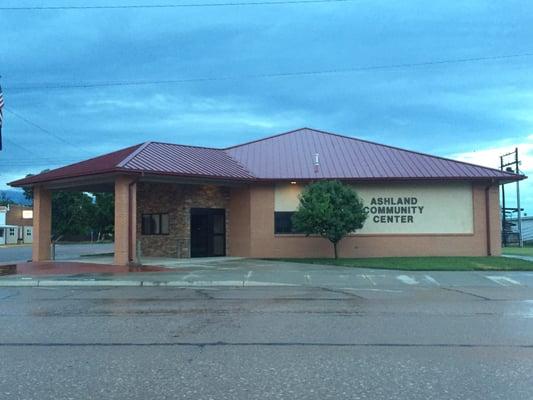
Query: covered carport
{"x": 145, "y": 185}
{"x": 124, "y": 188}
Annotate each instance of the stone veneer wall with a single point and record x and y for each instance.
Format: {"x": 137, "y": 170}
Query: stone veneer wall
{"x": 176, "y": 200}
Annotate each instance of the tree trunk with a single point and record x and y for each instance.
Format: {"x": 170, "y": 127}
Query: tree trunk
{"x": 335, "y": 250}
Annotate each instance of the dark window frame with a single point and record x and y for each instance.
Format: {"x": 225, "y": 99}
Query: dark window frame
{"x": 150, "y": 231}
{"x": 283, "y": 223}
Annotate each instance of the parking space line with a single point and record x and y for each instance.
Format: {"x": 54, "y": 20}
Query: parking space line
{"x": 369, "y": 278}
{"x": 502, "y": 280}
{"x": 432, "y": 280}
{"x": 408, "y": 280}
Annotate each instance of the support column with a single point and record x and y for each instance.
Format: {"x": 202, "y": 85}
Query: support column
{"x": 42, "y": 224}
{"x": 125, "y": 220}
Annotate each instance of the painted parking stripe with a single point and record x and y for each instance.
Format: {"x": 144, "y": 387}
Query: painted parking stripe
{"x": 369, "y": 278}
{"x": 432, "y": 280}
{"x": 408, "y": 280}
{"x": 502, "y": 280}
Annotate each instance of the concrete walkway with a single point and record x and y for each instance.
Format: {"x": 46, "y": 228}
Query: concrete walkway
{"x": 249, "y": 272}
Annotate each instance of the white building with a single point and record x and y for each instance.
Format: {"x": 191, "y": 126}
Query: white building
{"x": 16, "y": 225}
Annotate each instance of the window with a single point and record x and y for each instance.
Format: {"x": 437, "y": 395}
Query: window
{"x": 1, "y": 232}
{"x": 283, "y": 222}
{"x": 11, "y": 231}
{"x": 28, "y": 232}
{"x": 154, "y": 224}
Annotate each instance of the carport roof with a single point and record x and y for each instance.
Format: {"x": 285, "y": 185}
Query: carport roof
{"x": 287, "y": 156}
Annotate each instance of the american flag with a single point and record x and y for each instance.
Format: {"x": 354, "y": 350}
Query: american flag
{"x": 1, "y": 114}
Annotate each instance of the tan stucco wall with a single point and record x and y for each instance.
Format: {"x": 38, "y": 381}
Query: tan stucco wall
{"x": 427, "y": 208}
{"x": 124, "y": 228}
{"x": 264, "y": 243}
{"x": 239, "y": 209}
{"x": 42, "y": 229}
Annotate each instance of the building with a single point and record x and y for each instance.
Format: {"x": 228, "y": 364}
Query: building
{"x": 185, "y": 201}
{"x": 513, "y": 237}
{"x": 16, "y": 224}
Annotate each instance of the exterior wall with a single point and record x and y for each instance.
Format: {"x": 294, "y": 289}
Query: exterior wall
{"x": 3, "y": 213}
{"x": 11, "y": 233}
{"x": 239, "y": 243}
{"x": 15, "y": 216}
{"x": 264, "y": 243}
{"x": 176, "y": 200}
{"x": 403, "y": 207}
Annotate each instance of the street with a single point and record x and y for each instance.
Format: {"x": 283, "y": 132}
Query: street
{"x": 407, "y": 342}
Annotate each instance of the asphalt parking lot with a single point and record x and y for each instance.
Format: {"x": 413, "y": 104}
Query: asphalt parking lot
{"x": 266, "y": 343}
{"x": 63, "y": 251}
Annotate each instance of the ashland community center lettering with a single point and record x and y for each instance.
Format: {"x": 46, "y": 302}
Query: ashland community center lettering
{"x": 394, "y": 210}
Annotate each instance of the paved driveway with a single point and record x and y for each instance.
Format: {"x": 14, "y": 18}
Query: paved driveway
{"x": 250, "y": 271}
{"x": 63, "y": 251}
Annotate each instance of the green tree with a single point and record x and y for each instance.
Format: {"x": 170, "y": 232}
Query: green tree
{"x": 28, "y": 191}
{"x": 71, "y": 213}
{"x": 103, "y": 218}
{"x": 329, "y": 209}
{"x": 4, "y": 200}
{"x": 77, "y": 213}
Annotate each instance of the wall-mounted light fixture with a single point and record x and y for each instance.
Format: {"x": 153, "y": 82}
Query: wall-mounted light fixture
{"x": 293, "y": 183}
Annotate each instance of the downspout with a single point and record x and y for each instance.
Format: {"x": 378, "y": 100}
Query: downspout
{"x": 130, "y": 215}
{"x": 487, "y": 218}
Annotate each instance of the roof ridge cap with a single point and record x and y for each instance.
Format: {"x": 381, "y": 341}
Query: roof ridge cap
{"x": 239, "y": 163}
{"x": 187, "y": 145}
{"x": 416, "y": 152}
{"x": 265, "y": 138}
{"x": 132, "y": 155}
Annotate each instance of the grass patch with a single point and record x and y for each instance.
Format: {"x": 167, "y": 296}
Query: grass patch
{"x": 426, "y": 263}
{"x": 518, "y": 251}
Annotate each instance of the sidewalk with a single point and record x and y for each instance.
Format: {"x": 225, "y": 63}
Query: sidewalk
{"x": 251, "y": 272}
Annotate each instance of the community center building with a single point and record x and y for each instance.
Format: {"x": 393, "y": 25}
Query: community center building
{"x": 185, "y": 201}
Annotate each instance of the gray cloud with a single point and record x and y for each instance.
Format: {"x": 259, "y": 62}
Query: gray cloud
{"x": 441, "y": 109}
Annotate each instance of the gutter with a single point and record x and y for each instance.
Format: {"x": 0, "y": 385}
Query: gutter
{"x": 487, "y": 218}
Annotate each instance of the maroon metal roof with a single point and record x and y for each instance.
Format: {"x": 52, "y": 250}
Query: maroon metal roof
{"x": 286, "y": 156}
{"x": 291, "y": 156}
{"x": 184, "y": 160}
{"x": 106, "y": 163}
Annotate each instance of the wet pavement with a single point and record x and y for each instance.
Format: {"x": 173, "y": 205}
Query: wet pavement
{"x": 22, "y": 253}
{"x": 411, "y": 342}
{"x": 250, "y": 273}
{"x": 67, "y": 268}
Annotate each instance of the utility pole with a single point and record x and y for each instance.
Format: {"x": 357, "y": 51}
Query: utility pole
{"x": 509, "y": 164}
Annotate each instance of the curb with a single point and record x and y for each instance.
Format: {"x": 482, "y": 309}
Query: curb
{"x": 126, "y": 283}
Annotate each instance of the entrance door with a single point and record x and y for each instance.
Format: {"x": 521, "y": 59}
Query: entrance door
{"x": 208, "y": 232}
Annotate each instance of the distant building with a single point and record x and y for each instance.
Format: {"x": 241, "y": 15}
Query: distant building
{"x": 16, "y": 224}
{"x": 512, "y": 230}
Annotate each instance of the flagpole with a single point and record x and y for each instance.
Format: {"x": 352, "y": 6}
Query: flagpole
{"x": 1, "y": 112}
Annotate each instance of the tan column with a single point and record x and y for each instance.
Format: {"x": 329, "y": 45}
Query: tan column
{"x": 42, "y": 224}
{"x": 125, "y": 220}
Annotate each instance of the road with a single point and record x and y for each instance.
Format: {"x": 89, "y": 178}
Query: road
{"x": 63, "y": 251}
{"x": 266, "y": 343}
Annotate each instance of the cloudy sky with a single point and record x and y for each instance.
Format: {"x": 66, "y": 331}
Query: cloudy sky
{"x": 239, "y": 76}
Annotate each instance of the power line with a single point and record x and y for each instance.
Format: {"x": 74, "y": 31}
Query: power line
{"x": 31, "y": 123}
{"x": 23, "y": 148}
{"x": 184, "y": 5}
{"x": 266, "y": 75}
